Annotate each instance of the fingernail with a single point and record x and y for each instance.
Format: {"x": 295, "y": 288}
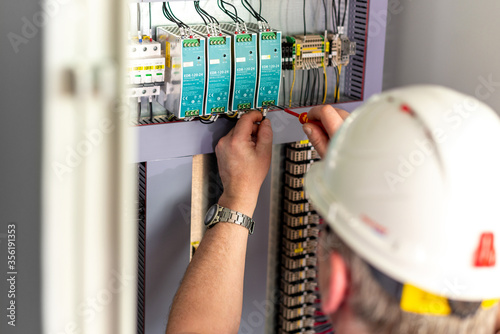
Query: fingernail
{"x": 307, "y": 130}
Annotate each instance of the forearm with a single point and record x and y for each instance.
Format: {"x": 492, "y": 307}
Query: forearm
{"x": 210, "y": 297}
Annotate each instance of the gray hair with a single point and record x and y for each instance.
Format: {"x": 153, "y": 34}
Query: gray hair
{"x": 380, "y": 312}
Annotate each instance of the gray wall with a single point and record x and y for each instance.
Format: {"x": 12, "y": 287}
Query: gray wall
{"x": 20, "y": 150}
{"x": 446, "y": 42}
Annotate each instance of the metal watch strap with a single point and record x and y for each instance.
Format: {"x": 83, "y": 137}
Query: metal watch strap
{"x": 230, "y": 216}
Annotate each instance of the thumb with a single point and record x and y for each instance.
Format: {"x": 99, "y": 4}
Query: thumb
{"x": 265, "y": 136}
{"x": 317, "y": 137}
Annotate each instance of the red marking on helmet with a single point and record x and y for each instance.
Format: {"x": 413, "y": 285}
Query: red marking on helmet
{"x": 374, "y": 225}
{"x": 484, "y": 256}
{"x": 406, "y": 109}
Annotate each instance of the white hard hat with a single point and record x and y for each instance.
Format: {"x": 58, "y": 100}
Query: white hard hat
{"x": 411, "y": 182}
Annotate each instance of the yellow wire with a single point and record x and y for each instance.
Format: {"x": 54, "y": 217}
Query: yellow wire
{"x": 291, "y": 89}
{"x": 338, "y": 85}
{"x": 326, "y": 82}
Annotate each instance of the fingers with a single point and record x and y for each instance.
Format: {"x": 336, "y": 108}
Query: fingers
{"x": 244, "y": 127}
{"x": 265, "y": 138}
{"x": 330, "y": 117}
{"x": 343, "y": 114}
{"x": 255, "y": 128}
{"x": 317, "y": 137}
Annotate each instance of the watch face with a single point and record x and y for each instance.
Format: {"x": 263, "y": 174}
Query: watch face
{"x": 210, "y": 214}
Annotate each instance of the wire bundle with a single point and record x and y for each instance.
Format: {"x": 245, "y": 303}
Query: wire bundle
{"x": 336, "y": 22}
{"x": 234, "y": 16}
{"x": 207, "y": 18}
{"x": 253, "y": 12}
{"x": 167, "y": 11}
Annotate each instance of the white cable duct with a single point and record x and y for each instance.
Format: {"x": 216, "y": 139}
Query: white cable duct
{"x": 89, "y": 234}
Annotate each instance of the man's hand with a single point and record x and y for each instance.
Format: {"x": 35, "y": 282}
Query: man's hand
{"x": 210, "y": 297}
{"x": 244, "y": 158}
{"x": 330, "y": 118}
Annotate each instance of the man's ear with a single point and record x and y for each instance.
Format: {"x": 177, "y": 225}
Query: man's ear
{"x": 337, "y": 283}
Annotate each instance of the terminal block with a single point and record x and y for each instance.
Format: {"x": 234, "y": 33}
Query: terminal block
{"x": 309, "y": 51}
{"x": 340, "y": 50}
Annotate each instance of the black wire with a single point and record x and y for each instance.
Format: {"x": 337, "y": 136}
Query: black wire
{"x": 151, "y": 111}
{"x": 252, "y": 11}
{"x": 345, "y": 11}
{"x": 234, "y": 8}
{"x": 304, "y": 16}
{"x": 326, "y": 14}
{"x": 302, "y": 87}
{"x": 283, "y": 86}
{"x": 196, "y": 7}
{"x": 204, "y": 14}
{"x": 172, "y": 12}
{"x": 212, "y": 18}
{"x": 338, "y": 13}
{"x": 167, "y": 12}
{"x": 233, "y": 16}
{"x": 150, "y": 20}
{"x": 320, "y": 80}
{"x": 334, "y": 15}
{"x": 138, "y": 17}
{"x": 260, "y": 7}
{"x": 138, "y": 112}
{"x": 313, "y": 86}
{"x": 306, "y": 90}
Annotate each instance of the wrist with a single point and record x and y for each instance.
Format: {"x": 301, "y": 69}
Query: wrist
{"x": 241, "y": 205}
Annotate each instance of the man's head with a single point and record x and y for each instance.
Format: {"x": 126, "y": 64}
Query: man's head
{"x": 357, "y": 303}
{"x": 409, "y": 186}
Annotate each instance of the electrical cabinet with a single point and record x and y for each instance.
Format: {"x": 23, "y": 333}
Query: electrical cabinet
{"x": 253, "y": 68}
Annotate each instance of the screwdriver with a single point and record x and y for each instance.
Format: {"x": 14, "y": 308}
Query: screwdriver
{"x": 302, "y": 117}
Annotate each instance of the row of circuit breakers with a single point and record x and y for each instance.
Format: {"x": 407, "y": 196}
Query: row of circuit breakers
{"x": 223, "y": 69}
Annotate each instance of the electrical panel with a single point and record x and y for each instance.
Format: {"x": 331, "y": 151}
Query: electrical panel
{"x": 215, "y": 70}
{"x": 185, "y": 72}
{"x": 219, "y": 68}
{"x": 245, "y": 56}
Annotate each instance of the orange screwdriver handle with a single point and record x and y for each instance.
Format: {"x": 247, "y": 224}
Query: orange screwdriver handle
{"x": 303, "y": 119}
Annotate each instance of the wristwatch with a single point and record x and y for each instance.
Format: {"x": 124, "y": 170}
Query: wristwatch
{"x": 217, "y": 214}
